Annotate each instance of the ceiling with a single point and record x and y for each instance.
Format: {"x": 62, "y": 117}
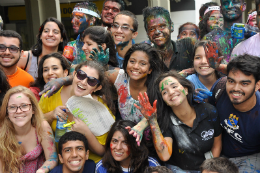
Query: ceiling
{"x": 21, "y": 2}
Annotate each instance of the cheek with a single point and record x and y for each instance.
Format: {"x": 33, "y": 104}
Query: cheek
{"x": 128, "y": 150}
{"x": 111, "y": 147}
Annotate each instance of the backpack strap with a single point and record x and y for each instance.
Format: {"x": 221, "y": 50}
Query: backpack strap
{"x": 219, "y": 88}
{"x": 28, "y": 57}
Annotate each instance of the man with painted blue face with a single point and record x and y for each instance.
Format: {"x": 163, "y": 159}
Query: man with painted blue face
{"x": 84, "y": 14}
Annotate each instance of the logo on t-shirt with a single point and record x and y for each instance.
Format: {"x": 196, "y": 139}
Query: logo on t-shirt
{"x": 206, "y": 135}
{"x": 232, "y": 122}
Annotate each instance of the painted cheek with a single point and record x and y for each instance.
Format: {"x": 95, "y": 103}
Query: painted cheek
{"x": 111, "y": 147}
{"x": 128, "y": 151}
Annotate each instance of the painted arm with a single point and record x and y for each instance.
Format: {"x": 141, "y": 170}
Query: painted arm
{"x": 93, "y": 143}
{"x": 187, "y": 72}
{"x": 162, "y": 145}
{"x": 23, "y": 60}
{"x": 217, "y": 146}
{"x": 55, "y": 85}
{"x": 48, "y": 145}
{"x": 112, "y": 75}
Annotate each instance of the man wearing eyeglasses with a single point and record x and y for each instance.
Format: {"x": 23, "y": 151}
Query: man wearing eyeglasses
{"x": 110, "y": 9}
{"x": 10, "y": 53}
{"x": 124, "y": 30}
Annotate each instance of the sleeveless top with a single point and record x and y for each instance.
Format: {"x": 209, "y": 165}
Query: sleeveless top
{"x": 33, "y": 160}
{"x": 33, "y": 70}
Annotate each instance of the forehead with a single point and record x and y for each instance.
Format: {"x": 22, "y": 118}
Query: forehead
{"x": 51, "y": 25}
{"x": 14, "y": 98}
{"x": 123, "y": 20}
{"x": 168, "y": 80}
{"x": 118, "y": 135}
{"x": 8, "y": 41}
{"x": 111, "y": 4}
{"x": 188, "y": 27}
{"x": 154, "y": 20}
{"x": 140, "y": 55}
{"x": 52, "y": 61}
{"x": 73, "y": 144}
{"x": 239, "y": 75}
{"x": 78, "y": 14}
{"x": 233, "y": 1}
{"x": 215, "y": 13}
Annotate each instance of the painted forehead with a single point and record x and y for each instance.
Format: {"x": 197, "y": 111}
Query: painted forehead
{"x": 157, "y": 19}
{"x": 233, "y": 1}
{"x": 77, "y": 14}
{"x": 188, "y": 27}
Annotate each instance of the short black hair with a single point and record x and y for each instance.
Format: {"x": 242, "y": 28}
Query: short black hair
{"x": 156, "y": 11}
{"x": 120, "y": 2}
{"x": 12, "y": 34}
{"x": 248, "y": 64}
{"x": 159, "y": 169}
{"x": 220, "y": 165}
{"x": 130, "y": 14}
{"x": 72, "y": 136}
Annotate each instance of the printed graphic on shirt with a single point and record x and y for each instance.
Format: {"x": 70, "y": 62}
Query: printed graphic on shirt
{"x": 206, "y": 135}
{"x": 231, "y": 126}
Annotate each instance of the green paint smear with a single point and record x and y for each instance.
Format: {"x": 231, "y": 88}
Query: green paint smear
{"x": 78, "y": 113}
{"x": 166, "y": 82}
{"x": 183, "y": 91}
{"x": 19, "y": 97}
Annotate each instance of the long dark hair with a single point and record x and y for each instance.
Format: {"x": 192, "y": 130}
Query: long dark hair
{"x": 5, "y": 86}
{"x": 163, "y": 110}
{"x": 37, "y": 48}
{"x": 155, "y": 61}
{"x": 39, "y": 82}
{"x": 138, "y": 154}
{"x": 106, "y": 86}
{"x": 100, "y": 35}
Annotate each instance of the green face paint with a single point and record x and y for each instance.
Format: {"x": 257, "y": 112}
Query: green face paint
{"x": 183, "y": 91}
{"x": 166, "y": 82}
{"x": 19, "y": 97}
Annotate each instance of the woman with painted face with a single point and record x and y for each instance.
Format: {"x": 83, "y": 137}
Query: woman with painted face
{"x": 184, "y": 133}
{"x": 88, "y": 78}
{"x": 122, "y": 155}
{"x": 51, "y": 66}
{"x": 27, "y": 143}
{"x": 211, "y": 20}
{"x": 51, "y": 38}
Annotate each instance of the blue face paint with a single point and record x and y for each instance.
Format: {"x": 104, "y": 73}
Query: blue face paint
{"x": 123, "y": 44}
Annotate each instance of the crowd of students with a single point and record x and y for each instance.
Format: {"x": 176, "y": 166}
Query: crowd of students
{"x": 160, "y": 106}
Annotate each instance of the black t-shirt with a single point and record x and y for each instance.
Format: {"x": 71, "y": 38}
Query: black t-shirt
{"x": 190, "y": 144}
{"x": 89, "y": 167}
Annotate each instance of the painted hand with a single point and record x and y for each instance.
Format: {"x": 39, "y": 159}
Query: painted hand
{"x": 137, "y": 132}
{"x": 201, "y": 94}
{"x": 187, "y": 72}
{"x": 54, "y": 86}
{"x": 211, "y": 51}
{"x": 100, "y": 56}
{"x": 146, "y": 109}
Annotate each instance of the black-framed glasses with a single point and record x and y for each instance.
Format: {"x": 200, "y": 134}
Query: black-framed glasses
{"x": 124, "y": 28}
{"x": 12, "y": 49}
{"x": 22, "y": 107}
{"x": 81, "y": 75}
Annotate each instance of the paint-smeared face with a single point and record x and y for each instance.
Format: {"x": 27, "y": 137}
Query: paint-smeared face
{"x": 80, "y": 22}
{"x": 88, "y": 46}
{"x": 173, "y": 93}
{"x": 258, "y": 16}
{"x": 215, "y": 21}
{"x": 81, "y": 87}
{"x": 7, "y": 58}
{"x": 73, "y": 156}
{"x": 120, "y": 36}
{"x": 158, "y": 30}
{"x": 200, "y": 63}
{"x": 188, "y": 31}
{"x": 120, "y": 150}
{"x": 51, "y": 36}
{"x": 109, "y": 11}
{"x": 252, "y": 20}
{"x": 52, "y": 69}
{"x": 138, "y": 66}
{"x": 20, "y": 118}
{"x": 240, "y": 87}
{"x": 232, "y": 9}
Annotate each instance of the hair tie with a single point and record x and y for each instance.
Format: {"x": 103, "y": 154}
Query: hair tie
{"x": 212, "y": 8}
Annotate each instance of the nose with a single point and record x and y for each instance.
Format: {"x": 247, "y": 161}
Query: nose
{"x": 110, "y": 10}
{"x": 19, "y": 110}
{"x": 50, "y": 72}
{"x": 230, "y": 4}
{"x": 50, "y": 33}
{"x": 119, "y": 29}
{"x": 136, "y": 65}
{"x": 7, "y": 51}
{"x": 204, "y": 60}
{"x": 84, "y": 46}
{"x": 236, "y": 87}
{"x": 118, "y": 146}
{"x": 74, "y": 153}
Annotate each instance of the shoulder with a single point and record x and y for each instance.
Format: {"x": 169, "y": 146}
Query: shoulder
{"x": 25, "y": 74}
{"x": 153, "y": 162}
{"x": 100, "y": 168}
{"x": 57, "y": 169}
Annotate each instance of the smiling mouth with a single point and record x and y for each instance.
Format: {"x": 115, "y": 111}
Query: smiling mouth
{"x": 204, "y": 68}
{"x": 81, "y": 87}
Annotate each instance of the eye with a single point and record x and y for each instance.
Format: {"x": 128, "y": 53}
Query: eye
{"x": 55, "y": 68}
{"x": 164, "y": 92}
{"x": 245, "y": 84}
{"x": 44, "y": 70}
{"x": 230, "y": 81}
{"x": 56, "y": 32}
{"x": 80, "y": 148}
{"x": 197, "y": 57}
{"x": 67, "y": 150}
{"x": 114, "y": 141}
{"x": 24, "y": 105}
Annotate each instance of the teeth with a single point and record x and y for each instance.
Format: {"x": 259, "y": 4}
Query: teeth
{"x": 237, "y": 94}
{"x": 74, "y": 162}
{"x": 19, "y": 117}
{"x": 118, "y": 153}
{"x": 159, "y": 38}
{"x": 135, "y": 72}
{"x": 173, "y": 98}
{"x": 81, "y": 87}
{"x": 119, "y": 37}
{"x": 204, "y": 67}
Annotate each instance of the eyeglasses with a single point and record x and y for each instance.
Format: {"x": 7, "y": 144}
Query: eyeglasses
{"x": 81, "y": 75}
{"x": 12, "y": 49}
{"x": 23, "y": 108}
{"x": 123, "y": 28}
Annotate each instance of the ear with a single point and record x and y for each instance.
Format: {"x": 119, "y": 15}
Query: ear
{"x": 61, "y": 159}
{"x": 87, "y": 154}
{"x": 186, "y": 91}
{"x": 104, "y": 46}
{"x": 244, "y": 7}
{"x": 257, "y": 85}
{"x": 21, "y": 54}
{"x": 65, "y": 72}
{"x": 172, "y": 27}
{"x": 134, "y": 35}
{"x": 92, "y": 21}
{"x": 61, "y": 40}
{"x": 74, "y": 72}
{"x": 150, "y": 71}
{"x": 98, "y": 88}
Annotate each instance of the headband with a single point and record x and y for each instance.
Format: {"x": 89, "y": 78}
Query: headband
{"x": 251, "y": 15}
{"x": 212, "y": 8}
{"x": 86, "y": 11}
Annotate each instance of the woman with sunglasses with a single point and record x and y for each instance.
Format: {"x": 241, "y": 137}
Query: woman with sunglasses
{"x": 88, "y": 78}
{"x": 27, "y": 143}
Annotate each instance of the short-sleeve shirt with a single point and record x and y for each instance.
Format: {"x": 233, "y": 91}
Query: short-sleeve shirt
{"x": 101, "y": 169}
{"x": 191, "y": 143}
{"x": 20, "y": 77}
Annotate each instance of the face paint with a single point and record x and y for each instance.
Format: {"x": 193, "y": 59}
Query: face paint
{"x": 165, "y": 83}
{"x": 183, "y": 91}
{"x": 19, "y": 97}
{"x": 188, "y": 31}
{"x": 123, "y": 44}
{"x": 215, "y": 21}
{"x": 80, "y": 22}
{"x": 232, "y": 9}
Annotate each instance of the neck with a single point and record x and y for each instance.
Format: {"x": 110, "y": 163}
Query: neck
{"x": 228, "y": 24}
{"x": 247, "y": 105}
{"x": 208, "y": 80}
{"x": 137, "y": 84}
{"x": 9, "y": 70}
{"x": 167, "y": 50}
{"x": 122, "y": 48}
{"x": 47, "y": 50}
{"x": 22, "y": 131}
{"x": 184, "y": 111}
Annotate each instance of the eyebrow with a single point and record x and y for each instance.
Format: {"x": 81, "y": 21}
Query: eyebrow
{"x": 170, "y": 85}
{"x": 249, "y": 81}
{"x": 73, "y": 147}
{"x": 123, "y": 24}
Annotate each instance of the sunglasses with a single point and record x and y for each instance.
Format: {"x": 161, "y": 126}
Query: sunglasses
{"x": 81, "y": 75}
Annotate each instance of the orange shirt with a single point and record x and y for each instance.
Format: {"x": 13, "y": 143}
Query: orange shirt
{"x": 20, "y": 77}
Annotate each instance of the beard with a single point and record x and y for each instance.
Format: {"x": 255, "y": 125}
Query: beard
{"x": 11, "y": 65}
{"x": 237, "y": 102}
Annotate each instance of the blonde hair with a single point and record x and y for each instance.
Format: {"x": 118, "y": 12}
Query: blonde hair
{"x": 10, "y": 150}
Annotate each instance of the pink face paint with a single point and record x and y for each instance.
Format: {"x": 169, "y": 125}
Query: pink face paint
{"x": 111, "y": 147}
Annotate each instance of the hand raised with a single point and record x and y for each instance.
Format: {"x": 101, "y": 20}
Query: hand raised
{"x": 100, "y": 56}
{"x": 211, "y": 51}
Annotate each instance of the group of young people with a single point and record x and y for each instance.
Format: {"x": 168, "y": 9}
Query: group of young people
{"x": 190, "y": 105}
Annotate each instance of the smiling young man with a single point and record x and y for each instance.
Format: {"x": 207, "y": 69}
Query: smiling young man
{"x": 10, "y": 53}
{"x": 110, "y": 9}
{"x": 124, "y": 30}
{"x": 238, "y": 103}
{"x": 73, "y": 148}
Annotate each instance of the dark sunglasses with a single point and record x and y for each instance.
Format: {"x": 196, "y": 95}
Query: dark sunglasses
{"x": 81, "y": 75}
{"x": 12, "y": 49}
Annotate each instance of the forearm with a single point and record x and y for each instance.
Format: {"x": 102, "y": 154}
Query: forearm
{"x": 68, "y": 80}
{"x": 217, "y": 146}
{"x": 49, "y": 165}
{"x": 162, "y": 146}
{"x": 142, "y": 124}
{"x": 222, "y": 68}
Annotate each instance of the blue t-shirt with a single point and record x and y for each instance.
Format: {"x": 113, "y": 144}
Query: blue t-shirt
{"x": 89, "y": 167}
{"x": 241, "y": 134}
{"x": 101, "y": 169}
{"x": 120, "y": 59}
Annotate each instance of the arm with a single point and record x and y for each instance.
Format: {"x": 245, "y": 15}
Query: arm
{"x": 93, "y": 143}
{"x": 48, "y": 145}
{"x": 23, "y": 60}
{"x": 112, "y": 75}
{"x": 217, "y": 146}
{"x": 52, "y": 115}
{"x": 162, "y": 145}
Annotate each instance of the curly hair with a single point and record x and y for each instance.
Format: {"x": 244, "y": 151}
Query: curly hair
{"x": 10, "y": 150}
